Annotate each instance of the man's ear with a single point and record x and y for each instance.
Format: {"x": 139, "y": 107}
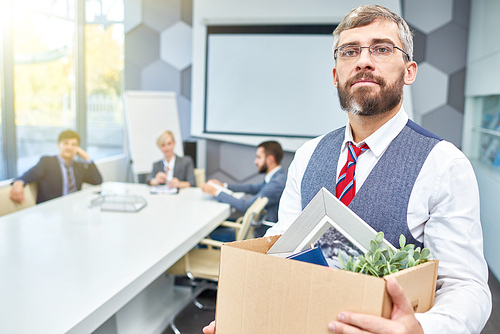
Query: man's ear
{"x": 410, "y": 72}
{"x": 270, "y": 159}
{"x": 334, "y": 73}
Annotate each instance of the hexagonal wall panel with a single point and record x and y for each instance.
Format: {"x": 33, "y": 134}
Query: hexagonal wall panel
{"x": 213, "y": 159}
{"x": 461, "y": 11}
{"x": 447, "y": 49}
{"x": 160, "y": 76}
{"x": 419, "y": 42}
{"x": 132, "y": 77}
{"x": 221, "y": 176}
{"x": 430, "y": 89}
{"x": 456, "y": 97}
{"x": 160, "y": 14}
{"x": 175, "y": 45}
{"x": 187, "y": 11}
{"x": 142, "y": 46}
{"x": 447, "y": 123}
{"x": 186, "y": 82}
{"x": 237, "y": 160}
{"x": 184, "y": 107}
{"x": 133, "y": 14}
{"x": 428, "y": 15}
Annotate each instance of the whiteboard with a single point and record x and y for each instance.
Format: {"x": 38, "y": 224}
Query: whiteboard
{"x": 147, "y": 114}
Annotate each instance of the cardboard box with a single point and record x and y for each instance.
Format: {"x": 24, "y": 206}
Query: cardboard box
{"x": 260, "y": 293}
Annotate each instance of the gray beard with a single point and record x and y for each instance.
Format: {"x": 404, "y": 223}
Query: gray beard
{"x": 363, "y": 104}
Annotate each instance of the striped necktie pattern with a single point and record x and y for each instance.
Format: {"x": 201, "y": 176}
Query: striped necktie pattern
{"x": 71, "y": 183}
{"x": 346, "y": 183}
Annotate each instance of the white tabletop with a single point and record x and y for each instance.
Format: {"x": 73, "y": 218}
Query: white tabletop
{"x": 59, "y": 274}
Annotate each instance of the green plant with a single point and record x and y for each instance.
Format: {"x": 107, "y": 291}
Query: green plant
{"x": 380, "y": 261}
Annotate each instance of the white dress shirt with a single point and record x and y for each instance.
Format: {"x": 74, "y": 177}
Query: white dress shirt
{"x": 443, "y": 213}
{"x": 168, "y": 167}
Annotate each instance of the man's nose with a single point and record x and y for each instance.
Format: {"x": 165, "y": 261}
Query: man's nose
{"x": 365, "y": 60}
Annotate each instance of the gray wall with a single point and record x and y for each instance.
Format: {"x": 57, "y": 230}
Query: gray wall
{"x": 158, "y": 50}
{"x": 158, "y": 57}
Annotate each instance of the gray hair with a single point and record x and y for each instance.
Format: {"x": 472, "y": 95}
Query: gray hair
{"x": 364, "y": 15}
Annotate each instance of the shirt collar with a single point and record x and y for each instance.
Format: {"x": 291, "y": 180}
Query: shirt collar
{"x": 64, "y": 162}
{"x": 270, "y": 174}
{"x": 380, "y": 139}
{"x": 169, "y": 164}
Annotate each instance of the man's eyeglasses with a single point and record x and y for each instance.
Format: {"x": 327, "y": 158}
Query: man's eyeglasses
{"x": 376, "y": 50}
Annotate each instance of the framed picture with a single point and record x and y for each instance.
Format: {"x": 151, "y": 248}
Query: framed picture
{"x": 329, "y": 224}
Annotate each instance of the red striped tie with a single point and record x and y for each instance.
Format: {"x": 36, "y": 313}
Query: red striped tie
{"x": 346, "y": 183}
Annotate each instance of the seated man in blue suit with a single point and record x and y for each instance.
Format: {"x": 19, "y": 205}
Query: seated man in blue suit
{"x": 59, "y": 175}
{"x": 268, "y": 161}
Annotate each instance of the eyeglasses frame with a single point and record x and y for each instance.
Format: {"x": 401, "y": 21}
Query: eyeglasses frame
{"x": 369, "y": 50}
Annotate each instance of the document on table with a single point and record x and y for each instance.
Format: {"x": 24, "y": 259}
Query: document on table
{"x": 219, "y": 187}
{"x": 163, "y": 189}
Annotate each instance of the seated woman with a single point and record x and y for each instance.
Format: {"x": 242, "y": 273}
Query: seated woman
{"x": 174, "y": 171}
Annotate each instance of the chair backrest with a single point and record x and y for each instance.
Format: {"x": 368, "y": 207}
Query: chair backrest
{"x": 252, "y": 214}
{"x": 8, "y": 206}
{"x": 199, "y": 176}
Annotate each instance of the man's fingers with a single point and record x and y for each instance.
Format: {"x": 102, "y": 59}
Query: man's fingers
{"x": 371, "y": 323}
{"x": 210, "y": 329}
{"x": 401, "y": 302}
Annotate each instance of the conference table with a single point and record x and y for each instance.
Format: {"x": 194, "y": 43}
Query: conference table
{"x": 63, "y": 271}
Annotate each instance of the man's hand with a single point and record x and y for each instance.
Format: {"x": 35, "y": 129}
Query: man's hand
{"x": 216, "y": 182}
{"x": 17, "y": 192}
{"x": 402, "y": 317}
{"x": 206, "y": 188}
{"x": 82, "y": 154}
{"x": 210, "y": 329}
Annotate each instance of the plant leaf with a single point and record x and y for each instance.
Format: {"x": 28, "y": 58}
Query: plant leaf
{"x": 402, "y": 241}
{"x": 425, "y": 253}
{"x": 399, "y": 255}
{"x": 341, "y": 260}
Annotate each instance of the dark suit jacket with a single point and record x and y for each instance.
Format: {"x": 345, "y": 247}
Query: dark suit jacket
{"x": 47, "y": 173}
{"x": 272, "y": 190}
{"x": 183, "y": 169}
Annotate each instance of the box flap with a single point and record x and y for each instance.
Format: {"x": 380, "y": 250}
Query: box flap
{"x": 419, "y": 285}
{"x": 260, "y": 245}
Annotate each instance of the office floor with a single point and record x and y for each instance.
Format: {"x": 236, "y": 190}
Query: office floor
{"x": 192, "y": 319}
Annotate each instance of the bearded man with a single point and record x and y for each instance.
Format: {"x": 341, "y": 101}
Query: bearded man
{"x": 268, "y": 161}
{"x": 396, "y": 176}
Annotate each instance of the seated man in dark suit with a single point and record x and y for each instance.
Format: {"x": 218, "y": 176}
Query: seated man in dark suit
{"x": 268, "y": 161}
{"x": 59, "y": 175}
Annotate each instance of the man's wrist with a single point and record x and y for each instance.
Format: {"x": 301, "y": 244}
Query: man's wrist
{"x": 18, "y": 183}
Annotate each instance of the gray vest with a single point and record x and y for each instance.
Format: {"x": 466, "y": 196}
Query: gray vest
{"x": 382, "y": 200}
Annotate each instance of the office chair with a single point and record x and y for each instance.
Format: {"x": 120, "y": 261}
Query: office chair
{"x": 8, "y": 206}
{"x": 201, "y": 265}
{"x": 200, "y": 177}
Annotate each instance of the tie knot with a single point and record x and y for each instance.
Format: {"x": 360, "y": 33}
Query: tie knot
{"x": 355, "y": 152}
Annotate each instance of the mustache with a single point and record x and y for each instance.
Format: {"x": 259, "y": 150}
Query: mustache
{"x": 365, "y": 75}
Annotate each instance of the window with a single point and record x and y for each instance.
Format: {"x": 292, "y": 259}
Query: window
{"x": 46, "y": 66}
{"x": 44, "y": 77}
{"x": 104, "y": 63}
